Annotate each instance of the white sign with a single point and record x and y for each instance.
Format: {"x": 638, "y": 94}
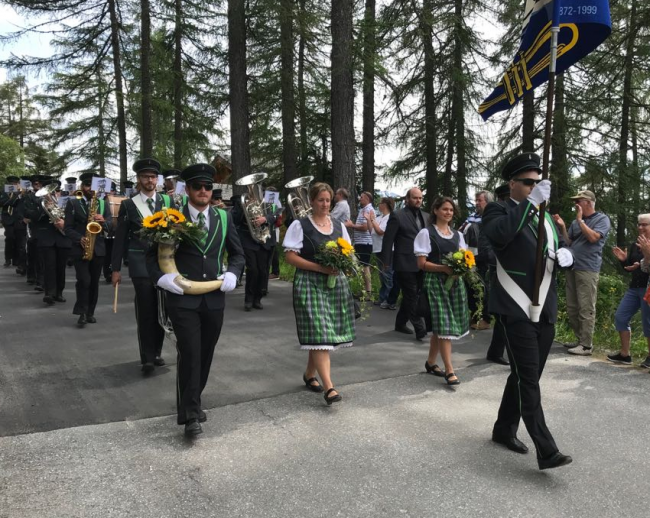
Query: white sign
{"x": 272, "y": 197}
{"x": 70, "y": 187}
{"x": 129, "y": 191}
{"x": 11, "y": 188}
{"x": 62, "y": 201}
{"x": 100, "y": 184}
{"x": 26, "y": 184}
{"x": 161, "y": 180}
{"x": 180, "y": 188}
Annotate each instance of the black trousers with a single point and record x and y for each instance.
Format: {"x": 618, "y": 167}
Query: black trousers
{"x": 107, "y": 259}
{"x": 197, "y": 332}
{"x": 87, "y": 286}
{"x": 10, "y": 244}
{"x": 528, "y": 345}
{"x": 498, "y": 343}
{"x": 150, "y": 335}
{"x": 410, "y": 283}
{"x": 257, "y": 273}
{"x": 53, "y": 260}
{"x": 275, "y": 261}
{"x": 20, "y": 248}
{"x": 34, "y": 262}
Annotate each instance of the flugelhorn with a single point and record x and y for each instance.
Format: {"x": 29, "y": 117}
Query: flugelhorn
{"x": 298, "y": 199}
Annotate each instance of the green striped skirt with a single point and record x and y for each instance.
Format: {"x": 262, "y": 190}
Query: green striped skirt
{"x": 449, "y": 309}
{"x": 324, "y": 316}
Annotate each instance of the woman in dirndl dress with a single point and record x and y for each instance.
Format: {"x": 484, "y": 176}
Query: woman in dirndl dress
{"x": 449, "y": 309}
{"x": 324, "y": 316}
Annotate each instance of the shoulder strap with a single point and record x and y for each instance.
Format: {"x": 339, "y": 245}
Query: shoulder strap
{"x": 166, "y": 200}
{"x": 223, "y": 217}
{"x": 101, "y": 206}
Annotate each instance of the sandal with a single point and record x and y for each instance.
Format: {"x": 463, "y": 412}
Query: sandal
{"x": 434, "y": 369}
{"x": 333, "y": 399}
{"x": 450, "y": 381}
{"x": 314, "y": 388}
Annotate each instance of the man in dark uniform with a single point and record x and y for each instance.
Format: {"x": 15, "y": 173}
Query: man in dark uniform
{"x": 129, "y": 222}
{"x": 13, "y": 212}
{"x": 512, "y": 231}
{"x": 34, "y": 266}
{"x": 258, "y": 254}
{"x": 197, "y": 319}
{"x": 52, "y": 245}
{"x": 403, "y": 225}
{"x": 88, "y": 271}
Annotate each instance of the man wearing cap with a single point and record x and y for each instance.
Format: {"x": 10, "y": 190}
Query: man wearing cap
{"x": 88, "y": 272}
{"x": 110, "y": 236}
{"x": 197, "y": 319}
{"x": 13, "y": 211}
{"x": 171, "y": 179}
{"x": 512, "y": 230}
{"x": 586, "y": 238}
{"x": 129, "y": 222}
{"x": 52, "y": 245}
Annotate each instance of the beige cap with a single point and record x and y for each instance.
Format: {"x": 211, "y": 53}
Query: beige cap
{"x": 584, "y": 195}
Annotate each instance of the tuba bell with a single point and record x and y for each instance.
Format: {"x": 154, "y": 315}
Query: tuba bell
{"x": 298, "y": 199}
{"x": 50, "y": 204}
{"x": 253, "y": 206}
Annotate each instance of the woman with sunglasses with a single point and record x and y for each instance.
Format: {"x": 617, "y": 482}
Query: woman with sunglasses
{"x": 324, "y": 316}
{"x": 449, "y": 308}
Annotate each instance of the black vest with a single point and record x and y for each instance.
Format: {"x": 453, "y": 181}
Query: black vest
{"x": 312, "y": 238}
{"x": 441, "y": 246}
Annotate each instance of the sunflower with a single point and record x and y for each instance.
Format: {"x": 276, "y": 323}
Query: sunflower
{"x": 469, "y": 259}
{"x": 175, "y": 216}
{"x": 153, "y": 221}
{"x": 345, "y": 245}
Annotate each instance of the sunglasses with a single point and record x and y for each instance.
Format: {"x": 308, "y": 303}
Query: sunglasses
{"x": 528, "y": 182}
{"x": 197, "y": 186}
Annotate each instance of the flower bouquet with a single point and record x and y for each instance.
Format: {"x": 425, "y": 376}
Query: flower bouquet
{"x": 338, "y": 255}
{"x": 463, "y": 263}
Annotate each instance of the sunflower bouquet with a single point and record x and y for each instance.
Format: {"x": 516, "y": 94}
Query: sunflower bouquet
{"x": 169, "y": 225}
{"x": 340, "y": 256}
{"x": 462, "y": 263}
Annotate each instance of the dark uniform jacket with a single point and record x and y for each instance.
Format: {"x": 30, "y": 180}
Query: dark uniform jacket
{"x": 198, "y": 262}
{"x": 45, "y": 233}
{"x": 247, "y": 240}
{"x": 13, "y": 209}
{"x": 127, "y": 239}
{"x": 76, "y": 219}
{"x": 511, "y": 230}
{"x": 401, "y": 231}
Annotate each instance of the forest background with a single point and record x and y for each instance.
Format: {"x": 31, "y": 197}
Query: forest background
{"x": 352, "y": 92}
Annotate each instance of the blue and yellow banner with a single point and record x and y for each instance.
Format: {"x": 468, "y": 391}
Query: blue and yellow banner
{"x": 584, "y": 24}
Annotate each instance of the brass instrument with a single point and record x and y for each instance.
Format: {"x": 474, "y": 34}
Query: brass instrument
{"x": 50, "y": 205}
{"x": 114, "y": 203}
{"x": 298, "y": 200}
{"x": 253, "y": 206}
{"x": 93, "y": 228}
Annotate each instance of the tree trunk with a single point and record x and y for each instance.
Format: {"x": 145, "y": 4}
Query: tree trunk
{"x": 119, "y": 93}
{"x": 101, "y": 138}
{"x": 528, "y": 126}
{"x": 458, "y": 110}
{"x": 430, "y": 105}
{"x": 178, "y": 85}
{"x": 623, "y": 173}
{"x": 302, "y": 96}
{"x": 21, "y": 121}
{"x": 636, "y": 170}
{"x": 369, "y": 55}
{"x": 342, "y": 100}
{"x": 288, "y": 99}
{"x": 146, "y": 143}
{"x": 240, "y": 133}
{"x": 559, "y": 173}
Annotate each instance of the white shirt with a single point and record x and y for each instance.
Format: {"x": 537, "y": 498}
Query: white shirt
{"x": 422, "y": 244}
{"x": 194, "y": 213}
{"x": 294, "y": 236}
{"x": 377, "y": 240}
{"x": 144, "y": 199}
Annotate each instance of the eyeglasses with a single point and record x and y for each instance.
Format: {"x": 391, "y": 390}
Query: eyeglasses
{"x": 197, "y": 186}
{"x": 148, "y": 177}
{"x": 528, "y": 182}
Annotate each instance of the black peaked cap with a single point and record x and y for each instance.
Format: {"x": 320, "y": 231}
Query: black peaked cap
{"x": 146, "y": 164}
{"x": 521, "y": 163}
{"x": 198, "y": 172}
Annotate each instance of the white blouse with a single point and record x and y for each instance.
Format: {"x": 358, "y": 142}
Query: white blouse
{"x": 422, "y": 244}
{"x": 293, "y": 238}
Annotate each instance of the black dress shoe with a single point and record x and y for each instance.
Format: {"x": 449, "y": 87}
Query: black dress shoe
{"x": 258, "y": 305}
{"x": 202, "y": 416}
{"x": 82, "y": 321}
{"x": 404, "y": 329}
{"x": 248, "y": 306}
{"x": 159, "y": 361}
{"x": 48, "y": 300}
{"x": 500, "y": 360}
{"x": 21, "y": 272}
{"x": 91, "y": 319}
{"x": 512, "y": 443}
{"x": 314, "y": 388}
{"x": 332, "y": 399}
{"x": 421, "y": 335}
{"x": 147, "y": 368}
{"x": 554, "y": 461}
{"x": 7, "y": 265}
{"x": 38, "y": 287}
{"x": 58, "y": 298}
{"x": 193, "y": 428}
{"x": 31, "y": 281}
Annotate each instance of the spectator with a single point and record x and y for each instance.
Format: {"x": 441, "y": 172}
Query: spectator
{"x": 389, "y": 290}
{"x": 341, "y": 212}
{"x": 632, "y": 301}
{"x": 403, "y": 225}
{"x": 502, "y": 192}
{"x": 363, "y": 238}
{"x": 586, "y": 238}
{"x": 471, "y": 230}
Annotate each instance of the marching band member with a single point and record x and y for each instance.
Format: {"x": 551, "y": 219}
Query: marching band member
{"x": 197, "y": 319}
{"x": 150, "y": 334}
{"x": 78, "y": 215}
{"x": 13, "y": 210}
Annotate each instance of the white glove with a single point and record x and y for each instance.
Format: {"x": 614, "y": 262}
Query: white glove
{"x": 229, "y": 281}
{"x": 541, "y": 193}
{"x": 166, "y": 282}
{"x": 564, "y": 257}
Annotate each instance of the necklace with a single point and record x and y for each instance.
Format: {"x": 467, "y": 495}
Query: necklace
{"x": 322, "y": 225}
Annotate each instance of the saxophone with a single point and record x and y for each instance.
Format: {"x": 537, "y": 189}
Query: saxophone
{"x": 92, "y": 229}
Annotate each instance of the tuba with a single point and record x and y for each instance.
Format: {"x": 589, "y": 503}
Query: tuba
{"x": 50, "y": 205}
{"x": 253, "y": 206}
{"x": 298, "y": 199}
